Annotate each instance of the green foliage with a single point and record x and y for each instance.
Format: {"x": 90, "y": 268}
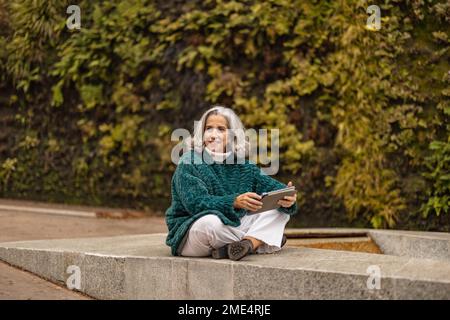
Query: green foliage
{"x": 438, "y": 165}
{"x": 363, "y": 115}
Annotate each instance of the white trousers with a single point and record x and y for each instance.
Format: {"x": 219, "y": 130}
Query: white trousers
{"x": 209, "y": 232}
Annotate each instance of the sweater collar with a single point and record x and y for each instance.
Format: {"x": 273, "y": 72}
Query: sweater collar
{"x": 215, "y": 157}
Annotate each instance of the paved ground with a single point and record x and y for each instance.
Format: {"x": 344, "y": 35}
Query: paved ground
{"x": 16, "y": 226}
{"x": 21, "y": 285}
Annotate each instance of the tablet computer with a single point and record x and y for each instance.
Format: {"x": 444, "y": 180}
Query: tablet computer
{"x": 270, "y": 199}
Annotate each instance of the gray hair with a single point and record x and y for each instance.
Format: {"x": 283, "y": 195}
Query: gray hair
{"x": 235, "y": 127}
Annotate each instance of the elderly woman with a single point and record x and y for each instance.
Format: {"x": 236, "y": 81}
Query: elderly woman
{"x": 213, "y": 194}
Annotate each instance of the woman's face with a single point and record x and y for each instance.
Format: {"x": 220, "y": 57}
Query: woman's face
{"x": 216, "y": 133}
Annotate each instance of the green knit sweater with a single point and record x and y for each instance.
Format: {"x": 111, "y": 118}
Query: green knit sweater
{"x": 200, "y": 187}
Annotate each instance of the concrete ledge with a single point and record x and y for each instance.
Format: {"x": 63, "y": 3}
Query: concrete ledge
{"x": 415, "y": 244}
{"x": 141, "y": 267}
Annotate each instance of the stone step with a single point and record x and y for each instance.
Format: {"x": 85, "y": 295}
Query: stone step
{"x": 141, "y": 267}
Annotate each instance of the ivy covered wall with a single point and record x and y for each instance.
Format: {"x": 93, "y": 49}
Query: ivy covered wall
{"x": 86, "y": 115}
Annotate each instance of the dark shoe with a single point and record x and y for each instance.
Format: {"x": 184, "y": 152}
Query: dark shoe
{"x": 239, "y": 249}
{"x": 220, "y": 253}
{"x": 283, "y": 240}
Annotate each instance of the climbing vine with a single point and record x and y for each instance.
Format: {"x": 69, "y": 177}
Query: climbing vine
{"x": 363, "y": 115}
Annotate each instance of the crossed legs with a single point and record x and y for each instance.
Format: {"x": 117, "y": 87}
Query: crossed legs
{"x": 264, "y": 230}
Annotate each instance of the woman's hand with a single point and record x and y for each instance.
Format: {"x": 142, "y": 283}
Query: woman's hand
{"x": 248, "y": 201}
{"x": 288, "y": 201}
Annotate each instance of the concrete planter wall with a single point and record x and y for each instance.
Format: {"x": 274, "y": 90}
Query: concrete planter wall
{"x": 414, "y": 265}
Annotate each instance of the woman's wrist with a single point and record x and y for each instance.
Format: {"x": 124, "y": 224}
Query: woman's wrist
{"x": 236, "y": 203}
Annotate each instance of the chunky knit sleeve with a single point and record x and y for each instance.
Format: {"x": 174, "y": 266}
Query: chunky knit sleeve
{"x": 195, "y": 196}
{"x": 265, "y": 183}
